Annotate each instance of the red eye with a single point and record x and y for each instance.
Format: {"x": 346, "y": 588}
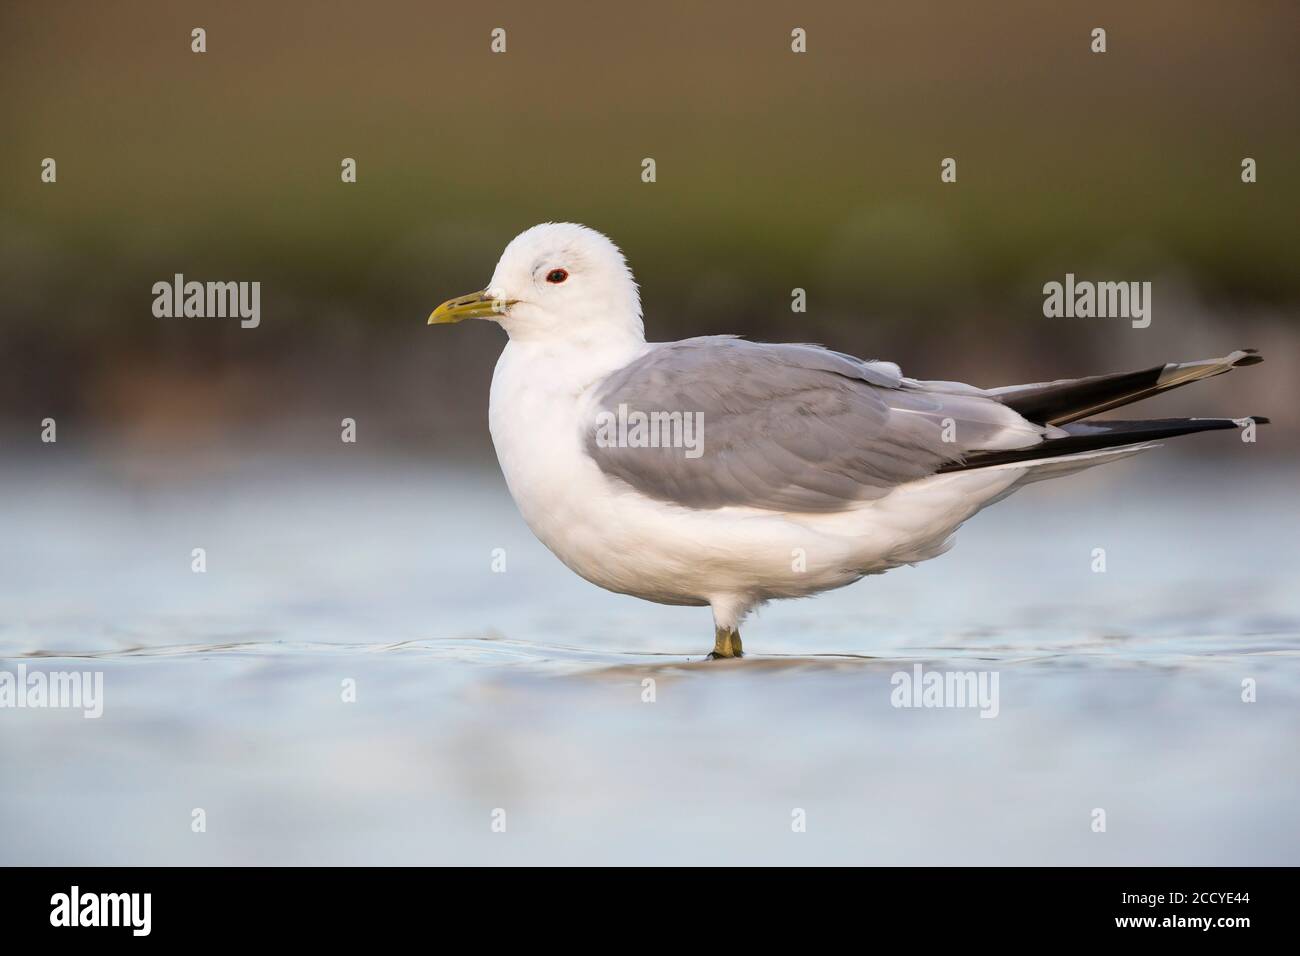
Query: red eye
{"x": 556, "y": 276}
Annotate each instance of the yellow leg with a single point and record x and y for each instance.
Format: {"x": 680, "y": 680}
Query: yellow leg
{"x": 726, "y": 643}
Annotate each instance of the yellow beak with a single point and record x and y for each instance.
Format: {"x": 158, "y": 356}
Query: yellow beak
{"x": 477, "y": 305}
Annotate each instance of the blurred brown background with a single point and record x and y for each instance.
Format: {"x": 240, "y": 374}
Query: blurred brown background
{"x": 775, "y": 170}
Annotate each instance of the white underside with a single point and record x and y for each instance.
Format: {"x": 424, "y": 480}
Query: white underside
{"x": 730, "y": 558}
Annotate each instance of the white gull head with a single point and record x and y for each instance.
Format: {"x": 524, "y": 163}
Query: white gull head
{"x": 558, "y": 282}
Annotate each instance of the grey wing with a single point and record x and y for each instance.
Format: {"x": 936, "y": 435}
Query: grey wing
{"x": 784, "y": 427}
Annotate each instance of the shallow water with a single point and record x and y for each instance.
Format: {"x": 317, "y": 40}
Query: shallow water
{"x": 523, "y": 690}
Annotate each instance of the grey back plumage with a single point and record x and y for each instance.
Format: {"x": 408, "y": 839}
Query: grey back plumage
{"x": 792, "y": 427}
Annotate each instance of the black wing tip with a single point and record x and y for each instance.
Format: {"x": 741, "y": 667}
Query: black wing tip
{"x": 1251, "y": 357}
{"x": 1095, "y": 436}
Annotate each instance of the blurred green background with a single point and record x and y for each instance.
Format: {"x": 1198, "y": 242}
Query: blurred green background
{"x": 775, "y": 171}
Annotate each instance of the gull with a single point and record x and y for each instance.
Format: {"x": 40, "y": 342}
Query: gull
{"x": 723, "y": 472}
